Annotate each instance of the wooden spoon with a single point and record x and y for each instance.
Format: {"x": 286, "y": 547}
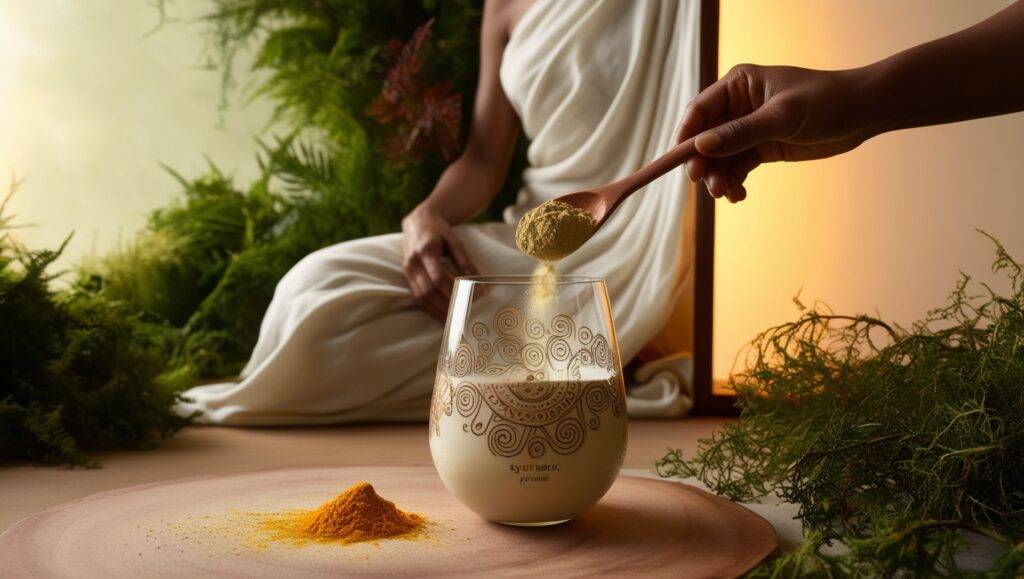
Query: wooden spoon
{"x": 601, "y": 201}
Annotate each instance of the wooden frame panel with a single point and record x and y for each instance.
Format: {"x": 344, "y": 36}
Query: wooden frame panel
{"x": 705, "y": 399}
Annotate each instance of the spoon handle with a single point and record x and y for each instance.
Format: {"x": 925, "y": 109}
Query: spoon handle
{"x": 631, "y": 183}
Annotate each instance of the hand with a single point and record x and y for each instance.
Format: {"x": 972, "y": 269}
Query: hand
{"x": 760, "y": 114}
{"x": 431, "y": 251}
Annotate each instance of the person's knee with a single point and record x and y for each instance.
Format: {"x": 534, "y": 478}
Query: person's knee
{"x": 330, "y": 267}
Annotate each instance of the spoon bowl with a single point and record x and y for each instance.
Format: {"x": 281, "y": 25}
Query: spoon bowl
{"x": 590, "y": 201}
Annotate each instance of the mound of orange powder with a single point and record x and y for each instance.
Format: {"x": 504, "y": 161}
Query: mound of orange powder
{"x": 356, "y": 515}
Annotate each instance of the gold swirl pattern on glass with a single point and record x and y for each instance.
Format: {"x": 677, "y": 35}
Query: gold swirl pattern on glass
{"x": 521, "y": 384}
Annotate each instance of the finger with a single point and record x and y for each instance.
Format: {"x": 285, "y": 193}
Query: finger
{"x": 416, "y": 276}
{"x": 412, "y": 278}
{"x": 693, "y": 122}
{"x": 740, "y": 134}
{"x": 459, "y": 254}
{"x": 433, "y": 301}
{"x": 440, "y": 277}
{"x": 771, "y": 151}
{"x": 697, "y": 167}
{"x": 717, "y": 178}
{"x": 717, "y": 184}
{"x": 741, "y": 165}
{"x": 710, "y": 104}
{"x": 736, "y": 194}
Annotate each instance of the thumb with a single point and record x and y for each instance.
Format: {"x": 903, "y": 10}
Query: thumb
{"x": 741, "y": 133}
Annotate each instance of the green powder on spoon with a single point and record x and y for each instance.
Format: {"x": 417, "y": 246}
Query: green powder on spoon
{"x": 553, "y": 230}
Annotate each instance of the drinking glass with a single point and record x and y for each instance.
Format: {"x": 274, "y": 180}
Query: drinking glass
{"x": 528, "y": 415}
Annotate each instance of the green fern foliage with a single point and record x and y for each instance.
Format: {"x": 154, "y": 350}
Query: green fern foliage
{"x": 893, "y": 441}
{"x": 346, "y": 163}
{"x": 369, "y": 106}
{"x": 77, "y": 373}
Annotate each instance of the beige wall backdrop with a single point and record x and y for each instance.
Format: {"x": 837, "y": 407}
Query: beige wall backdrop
{"x": 885, "y": 228}
{"x": 89, "y": 104}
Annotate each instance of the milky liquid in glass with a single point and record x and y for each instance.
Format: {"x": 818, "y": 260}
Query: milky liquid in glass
{"x": 528, "y": 420}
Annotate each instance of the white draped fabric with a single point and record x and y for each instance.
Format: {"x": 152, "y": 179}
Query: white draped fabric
{"x": 599, "y": 86}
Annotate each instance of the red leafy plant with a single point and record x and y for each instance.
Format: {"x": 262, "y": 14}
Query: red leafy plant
{"x": 423, "y": 118}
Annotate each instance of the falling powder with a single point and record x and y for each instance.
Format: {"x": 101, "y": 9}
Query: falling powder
{"x": 548, "y": 233}
{"x": 542, "y": 288}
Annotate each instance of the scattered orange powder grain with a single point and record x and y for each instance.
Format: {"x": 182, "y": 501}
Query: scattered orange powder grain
{"x": 356, "y": 515}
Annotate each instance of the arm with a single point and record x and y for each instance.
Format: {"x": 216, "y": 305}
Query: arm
{"x": 469, "y": 184}
{"x": 758, "y": 114}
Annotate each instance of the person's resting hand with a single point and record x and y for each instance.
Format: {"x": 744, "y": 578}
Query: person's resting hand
{"x": 467, "y": 186}
{"x": 759, "y": 114}
{"x": 431, "y": 251}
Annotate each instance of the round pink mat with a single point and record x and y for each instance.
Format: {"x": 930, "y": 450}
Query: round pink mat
{"x": 183, "y": 528}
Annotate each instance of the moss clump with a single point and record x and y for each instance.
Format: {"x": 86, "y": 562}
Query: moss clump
{"x": 170, "y": 268}
{"x": 893, "y": 441}
{"x": 77, "y": 373}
